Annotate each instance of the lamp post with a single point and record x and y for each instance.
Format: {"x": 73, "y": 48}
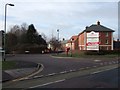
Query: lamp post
{"x": 71, "y": 46}
{"x": 58, "y": 34}
{"x": 58, "y": 39}
{"x": 5, "y": 28}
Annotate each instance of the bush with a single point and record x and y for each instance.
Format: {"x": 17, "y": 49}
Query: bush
{"x": 111, "y": 52}
{"x": 93, "y": 53}
{"x": 102, "y": 52}
{"x": 31, "y": 48}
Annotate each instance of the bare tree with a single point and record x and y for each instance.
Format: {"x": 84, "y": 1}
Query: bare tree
{"x": 55, "y": 44}
{"x": 44, "y": 36}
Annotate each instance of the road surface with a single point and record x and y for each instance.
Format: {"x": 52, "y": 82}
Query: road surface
{"x": 63, "y": 72}
{"x": 56, "y": 65}
{"x": 106, "y": 79}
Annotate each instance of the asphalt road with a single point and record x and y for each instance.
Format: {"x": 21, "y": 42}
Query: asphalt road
{"x": 59, "y": 66}
{"x": 106, "y": 79}
{"x": 56, "y": 65}
{"x": 86, "y": 78}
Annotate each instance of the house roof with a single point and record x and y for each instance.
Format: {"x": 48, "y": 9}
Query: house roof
{"x": 74, "y": 38}
{"x": 97, "y": 28}
{"x": 64, "y": 42}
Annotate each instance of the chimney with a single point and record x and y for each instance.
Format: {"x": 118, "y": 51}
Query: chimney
{"x": 117, "y": 40}
{"x": 98, "y": 23}
{"x": 86, "y": 27}
{"x": 63, "y": 39}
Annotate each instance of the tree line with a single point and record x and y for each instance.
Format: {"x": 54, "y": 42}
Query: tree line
{"x": 24, "y": 38}
{"x": 21, "y": 38}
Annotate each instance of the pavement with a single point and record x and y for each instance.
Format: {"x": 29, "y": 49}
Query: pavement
{"x": 23, "y": 69}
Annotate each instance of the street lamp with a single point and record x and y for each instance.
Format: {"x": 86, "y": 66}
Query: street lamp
{"x": 58, "y": 34}
{"x": 58, "y": 38}
{"x": 5, "y": 28}
{"x": 71, "y": 45}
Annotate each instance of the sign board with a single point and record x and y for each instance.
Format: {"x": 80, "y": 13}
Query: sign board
{"x": 92, "y": 41}
{"x": 95, "y": 47}
{"x": 93, "y": 34}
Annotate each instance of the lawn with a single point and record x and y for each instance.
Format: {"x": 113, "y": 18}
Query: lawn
{"x": 82, "y": 55}
{"x": 7, "y": 65}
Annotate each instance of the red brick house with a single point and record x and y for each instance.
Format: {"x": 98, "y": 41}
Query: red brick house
{"x": 96, "y": 37}
{"x": 74, "y": 41}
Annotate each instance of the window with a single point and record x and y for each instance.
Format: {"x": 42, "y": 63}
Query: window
{"x": 106, "y": 34}
{"x": 106, "y": 41}
{"x": 107, "y": 48}
{"x": 100, "y": 41}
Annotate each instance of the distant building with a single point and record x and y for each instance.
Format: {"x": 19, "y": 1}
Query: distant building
{"x": 96, "y": 37}
{"x": 116, "y": 45}
{"x": 74, "y": 43}
{"x": 63, "y": 44}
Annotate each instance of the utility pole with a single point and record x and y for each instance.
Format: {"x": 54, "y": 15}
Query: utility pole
{"x": 4, "y": 57}
{"x": 58, "y": 40}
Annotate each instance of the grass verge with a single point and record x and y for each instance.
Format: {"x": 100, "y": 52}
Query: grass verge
{"x": 82, "y": 55}
{"x": 8, "y": 65}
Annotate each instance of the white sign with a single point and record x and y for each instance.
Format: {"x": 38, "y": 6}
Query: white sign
{"x": 95, "y": 47}
{"x": 93, "y": 34}
{"x": 93, "y": 41}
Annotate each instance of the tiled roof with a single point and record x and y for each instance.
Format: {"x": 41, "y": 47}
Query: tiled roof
{"x": 64, "y": 42}
{"x": 74, "y": 38}
{"x": 97, "y": 28}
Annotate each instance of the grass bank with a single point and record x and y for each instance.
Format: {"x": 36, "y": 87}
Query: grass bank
{"x": 17, "y": 64}
{"x": 5, "y": 65}
{"x": 87, "y": 55}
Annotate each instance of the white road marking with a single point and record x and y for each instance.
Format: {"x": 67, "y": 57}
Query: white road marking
{"x": 102, "y": 70}
{"x": 97, "y": 60}
{"x": 96, "y": 72}
{"x": 71, "y": 70}
{"x": 38, "y": 76}
{"x": 20, "y": 79}
{"x": 63, "y": 72}
{"x": 51, "y": 74}
{"x": 47, "y": 83}
{"x": 81, "y": 68}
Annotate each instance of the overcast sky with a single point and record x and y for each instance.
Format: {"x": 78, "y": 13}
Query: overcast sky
{"x": 69, "y": 16}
